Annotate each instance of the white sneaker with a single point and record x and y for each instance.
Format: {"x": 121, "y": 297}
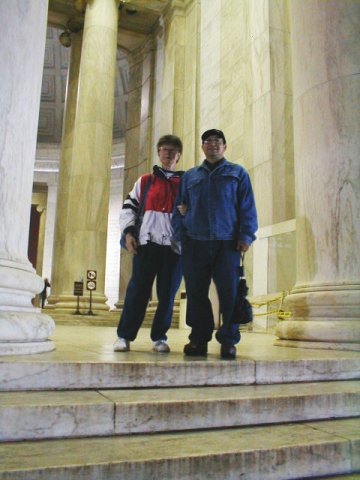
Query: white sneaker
{"x": 161, "y": 346}
{"x": 121, "y": 345}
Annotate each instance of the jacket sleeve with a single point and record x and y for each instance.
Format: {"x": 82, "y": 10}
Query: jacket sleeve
{"x": 130, "y": 208}
{"x": 248, "y": 224}
{"x": 177, "y": 219}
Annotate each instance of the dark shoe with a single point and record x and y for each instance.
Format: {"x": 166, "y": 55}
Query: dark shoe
{"x": 228, "y": 352}
{"x": 195, "y": 349}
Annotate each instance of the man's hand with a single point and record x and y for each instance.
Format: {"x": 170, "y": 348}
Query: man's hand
{"x": 131, "y": 243}
{"x": 243, "y": 247}
{"x": 182, "y": 209}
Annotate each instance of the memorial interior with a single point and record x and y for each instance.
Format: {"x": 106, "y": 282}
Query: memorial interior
{"x": 88, "y": 86}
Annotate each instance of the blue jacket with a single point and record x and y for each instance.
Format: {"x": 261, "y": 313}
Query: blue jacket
{"x": 220, "y": 204}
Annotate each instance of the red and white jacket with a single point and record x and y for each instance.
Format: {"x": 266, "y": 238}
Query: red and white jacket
{"x": 159, "y": 205}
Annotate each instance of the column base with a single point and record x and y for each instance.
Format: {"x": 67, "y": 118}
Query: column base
{"x": 28, "y": 348}
{"x": 25, "y": 333}
{"x": 328, "y": 330}
{"x": 118, "y": 306}
{"x": 355, "y": 347}
{"x": 322, "y": 314}
{"x": 67, "y": 304}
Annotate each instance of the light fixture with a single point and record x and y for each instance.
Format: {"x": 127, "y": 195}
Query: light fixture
{"x": 65, "y": 39}
{"x": 128, "y": 9}
{"x": 73, "y": 25}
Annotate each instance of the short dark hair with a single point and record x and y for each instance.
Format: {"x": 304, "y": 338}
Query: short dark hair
{"x": 172, "y": 139}
{"x": 213, "y": 133}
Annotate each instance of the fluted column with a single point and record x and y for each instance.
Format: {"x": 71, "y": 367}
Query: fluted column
{"x": 85, "y": 167}
{"x": 326, "y": 73}
{"x": 23, "y": 329}
{"x": 170, "y": 92}
{"x": 66, "y": 160}
{"x": 138, "y": 137}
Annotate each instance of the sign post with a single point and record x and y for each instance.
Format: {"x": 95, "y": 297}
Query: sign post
{"x": 78, "y": 292}
{"x": 90, "y": 285}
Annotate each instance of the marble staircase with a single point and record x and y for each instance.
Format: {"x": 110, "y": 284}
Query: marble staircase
{"x": 274, "y": 413}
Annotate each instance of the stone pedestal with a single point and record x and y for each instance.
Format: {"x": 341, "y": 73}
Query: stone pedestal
{"x": 84, "y": 177}
{"x": 326, "y": 65}
{"x": 23, "y": 329}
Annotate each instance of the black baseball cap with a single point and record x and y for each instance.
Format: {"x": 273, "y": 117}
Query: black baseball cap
{"x": 213, "y": 133}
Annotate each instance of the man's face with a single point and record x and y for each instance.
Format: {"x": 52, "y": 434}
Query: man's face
{"x": 169, "y": 155}
{"x": 214, "y": 148}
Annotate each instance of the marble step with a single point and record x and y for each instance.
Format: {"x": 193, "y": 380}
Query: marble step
{"x": 37, "y": 415}
{"x": 276, "y": 452}
{"x": 100, "y": 367}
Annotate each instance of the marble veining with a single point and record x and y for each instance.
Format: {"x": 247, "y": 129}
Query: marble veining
{"x": 35, "y": 415}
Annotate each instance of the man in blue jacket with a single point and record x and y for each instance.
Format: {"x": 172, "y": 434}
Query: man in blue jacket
{"x": 215, "y": 220}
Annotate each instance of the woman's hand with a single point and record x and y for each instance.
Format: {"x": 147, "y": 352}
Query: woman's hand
{"x": 131, "y": 243}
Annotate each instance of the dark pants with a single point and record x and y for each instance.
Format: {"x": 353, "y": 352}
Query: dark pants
{"x": 203, "y": 261}
{"x": 151, "y": 261}
{"x": 43, "y": 300}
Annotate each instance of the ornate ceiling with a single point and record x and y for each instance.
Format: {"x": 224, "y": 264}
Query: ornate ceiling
{"x": 137, "y": 20}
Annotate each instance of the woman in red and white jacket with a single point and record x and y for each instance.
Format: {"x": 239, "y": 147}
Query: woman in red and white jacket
{"x": 151, "y": 246}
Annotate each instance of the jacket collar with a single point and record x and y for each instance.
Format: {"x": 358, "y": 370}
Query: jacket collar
{"x": 159, "y": 172}
{"x": 221, "y": 163}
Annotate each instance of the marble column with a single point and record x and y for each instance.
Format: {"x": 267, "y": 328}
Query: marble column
{"x": 85, "y": 166}
{"x": 138, "y": 137}
{"x": 171, "y": 88}
{"x": 326, "y": 65}
{"x": 23, "y": 329}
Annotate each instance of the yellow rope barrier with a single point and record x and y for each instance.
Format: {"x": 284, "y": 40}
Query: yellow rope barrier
{"x": 280, "y": 313}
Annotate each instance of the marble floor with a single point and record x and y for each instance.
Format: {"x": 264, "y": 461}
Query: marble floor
{"x": 83, "y": 343}
{"x": 256, "y": 356}
{"x": 94, "y": 343}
